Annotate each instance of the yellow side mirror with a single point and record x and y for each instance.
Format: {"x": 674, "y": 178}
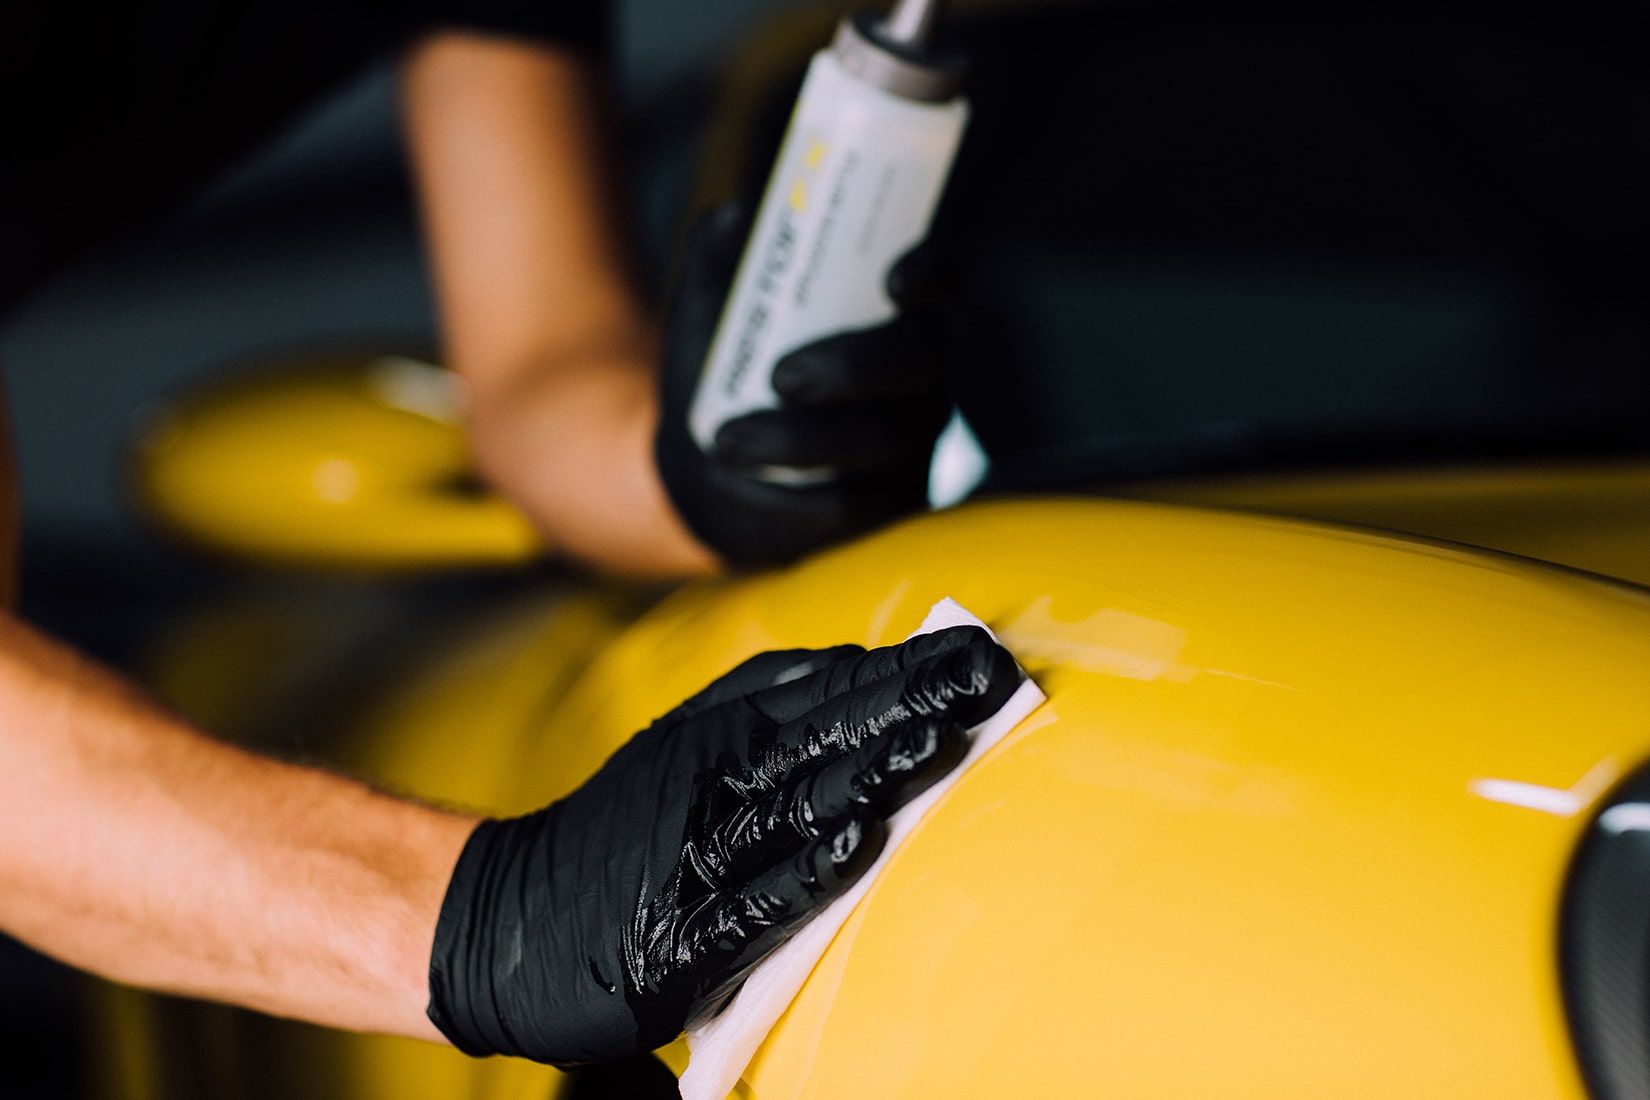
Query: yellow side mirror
{"x": 347, "y": 462}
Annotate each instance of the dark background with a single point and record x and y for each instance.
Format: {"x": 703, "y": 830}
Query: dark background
{"x": 309, "y": 244}
{"x": 1184, "y": 238}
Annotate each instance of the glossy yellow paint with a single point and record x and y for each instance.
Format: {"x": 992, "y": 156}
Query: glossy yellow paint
{"x": 354, "y": 463}
{"x": 1256, "y": 844}
{"x": 1587, "y": 514}
{"x": 1294, "y": 821}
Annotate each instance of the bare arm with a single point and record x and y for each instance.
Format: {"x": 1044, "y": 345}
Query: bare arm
{"x": 540, "y": 313}
{"x": 134, "y": 847}
{"x": 137, "y": 848}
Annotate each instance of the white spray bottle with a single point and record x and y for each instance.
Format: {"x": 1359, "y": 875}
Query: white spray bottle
{"x": 859, "y": 174}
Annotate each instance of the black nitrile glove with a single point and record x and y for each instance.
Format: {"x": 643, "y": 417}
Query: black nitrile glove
{"x": 598, "y": 926}
{"x": 866, "y": 404}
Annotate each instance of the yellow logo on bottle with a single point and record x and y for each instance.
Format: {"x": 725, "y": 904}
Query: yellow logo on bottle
{"x": 812, "y": 161}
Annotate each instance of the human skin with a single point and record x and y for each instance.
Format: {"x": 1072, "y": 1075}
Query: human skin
{"x": 135, "y": 847}
{"x": 541, "y": 315}
{"x": 139, "y": 848}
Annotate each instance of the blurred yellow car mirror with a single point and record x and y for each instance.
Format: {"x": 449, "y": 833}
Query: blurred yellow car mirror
{"x": 343, "y": 462}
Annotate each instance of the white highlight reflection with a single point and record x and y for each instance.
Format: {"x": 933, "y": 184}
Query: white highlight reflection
{"x": 1562, "y": 802}
{"x": 1629, "y": 817}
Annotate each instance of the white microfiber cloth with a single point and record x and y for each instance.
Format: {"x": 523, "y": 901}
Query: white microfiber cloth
{"x": 721, "y": 1048}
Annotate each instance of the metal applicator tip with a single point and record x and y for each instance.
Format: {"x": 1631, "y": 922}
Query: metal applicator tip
{"x": 911, "y": 22}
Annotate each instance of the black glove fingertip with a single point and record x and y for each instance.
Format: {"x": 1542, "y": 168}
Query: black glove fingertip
{"x": 819, "y": 371}
{"x": 979, "y": 678}
{"x": 922, "y": 278}
{"x": 755, "y": 920}
{"x": 915, "y": 760}
{"x": 946, "y": 639}
{"x": 837, "y": 861}
{"x": 739, "y": 442}
{"x": 811, "y": 661}
{"x": 817, "y": 874}
{"x": 764, "y": 670}
{"x": 889, "y": 770}
{"x": 719, "y": 234}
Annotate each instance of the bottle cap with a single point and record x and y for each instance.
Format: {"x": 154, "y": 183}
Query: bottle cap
{"x": 907, "y": 66}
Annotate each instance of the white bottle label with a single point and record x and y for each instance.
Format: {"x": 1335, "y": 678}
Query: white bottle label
{"x": 857, "y": 180}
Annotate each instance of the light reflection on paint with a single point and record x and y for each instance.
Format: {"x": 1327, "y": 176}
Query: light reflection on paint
{"x": 415, "y": 386}
{"x": 1562, "y": 802}
{"x": 1109, "y": 642}
{"x": 337, "y": 480}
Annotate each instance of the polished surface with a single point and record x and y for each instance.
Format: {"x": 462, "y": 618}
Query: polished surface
{"x": 1591, "y": 514}
{"x": 1294, "y": 821}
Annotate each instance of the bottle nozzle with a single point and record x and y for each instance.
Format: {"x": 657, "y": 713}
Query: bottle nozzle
{"x": 894, "y": 53}
{"x": 911, "y": 22}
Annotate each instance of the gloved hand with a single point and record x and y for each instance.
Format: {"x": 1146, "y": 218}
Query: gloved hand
{"x": 867, "y": 404}
{"x": 596, "y": 927}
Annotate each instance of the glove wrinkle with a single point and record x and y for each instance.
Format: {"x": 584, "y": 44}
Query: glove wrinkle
{"x": 598, "y": 926}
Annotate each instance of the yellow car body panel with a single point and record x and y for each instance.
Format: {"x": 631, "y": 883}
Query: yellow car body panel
{"x": 1295, "y": 819}
{"x": 1589, "y": 514}
{"x": 1255, "y": 843}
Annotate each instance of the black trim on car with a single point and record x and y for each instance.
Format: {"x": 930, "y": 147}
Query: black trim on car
{"x": 1605, "y": 946}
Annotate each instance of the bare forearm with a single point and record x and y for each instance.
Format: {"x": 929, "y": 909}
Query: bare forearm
{"x": 138, "y": 849}
{"x": 573, "y": 444}
{"x": 540, "y": 311}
